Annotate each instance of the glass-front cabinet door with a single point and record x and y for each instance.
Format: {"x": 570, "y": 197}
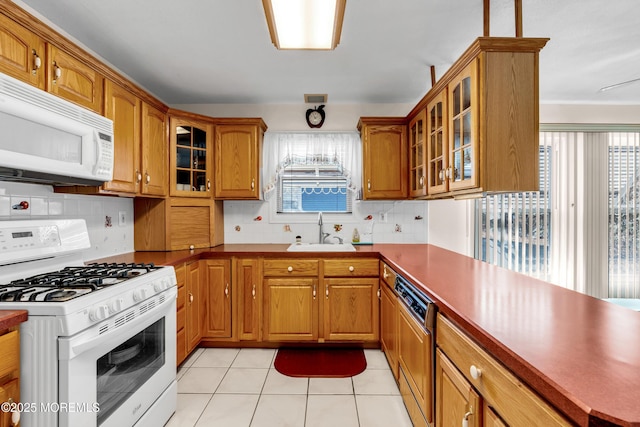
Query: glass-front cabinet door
{"x": 437, "y": 147}
{"x": 463, "y": 139}
{"x": 191, "y": 158}
{"x": 417, "y": 156}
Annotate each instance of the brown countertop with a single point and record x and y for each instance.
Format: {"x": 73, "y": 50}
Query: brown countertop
{"x": 11, "y": 318}
{"x": 580, "y": 353}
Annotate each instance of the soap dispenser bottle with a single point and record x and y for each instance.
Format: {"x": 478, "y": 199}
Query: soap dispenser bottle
{"x": 356, "y": 236}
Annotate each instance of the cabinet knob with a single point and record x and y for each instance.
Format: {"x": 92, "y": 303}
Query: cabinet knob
{"x": 191, "y": 247}
{"x": 351, "y": 268}
{"x": 37, "y": 62}
{"x": 475, "y": 372}
{"x": 369, "y": 184}
{"x": 253, "y": 291}
{"x": 379, "y": 293}
{"x": 326, "y": 291}
{"x": 421, "y": 181}
{"x": 314, "y": 291}
{"x": 226, "y": 290}
{"x": 465, "y": 418}
{"x": 138, "y": 177}
{"x": 190, "y": 297}
{"x": 147, "y": 177}
{"x": 253, "y": 184}
{"x": 289, "y": 269}
{"x": 15, "y": 415}
{"x": 57, "y": 72}
{"x": 208, "y": 184}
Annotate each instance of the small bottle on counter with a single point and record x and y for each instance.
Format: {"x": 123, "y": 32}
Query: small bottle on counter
{"x": 356, "y": 236}
{"x": 298, "y": 240}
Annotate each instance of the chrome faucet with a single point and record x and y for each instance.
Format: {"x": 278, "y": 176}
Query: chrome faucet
{"x": 321, "y": 234}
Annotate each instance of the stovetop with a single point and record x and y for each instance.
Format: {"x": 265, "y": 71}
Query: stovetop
{"x": 71, "y": 282}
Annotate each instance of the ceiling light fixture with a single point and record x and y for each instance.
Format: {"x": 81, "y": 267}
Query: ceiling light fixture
{"x": 304, "y": 24}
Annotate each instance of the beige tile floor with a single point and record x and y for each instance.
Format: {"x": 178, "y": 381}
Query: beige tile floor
{"x": 241, "y": 388}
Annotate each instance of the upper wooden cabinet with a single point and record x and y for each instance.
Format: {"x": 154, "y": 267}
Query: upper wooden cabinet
{"x": 22, "y": 53}
{"x": 238, "y": 157}
{"x": 153, "y": 166}
{"x": 384, "y": 157}
{"x": 437, "y": 145}
{"x": 124, "y": 108}
{"x": 418, "y": 156}
{"x": 73, "y": 80}
{"x": 191, "y": 158}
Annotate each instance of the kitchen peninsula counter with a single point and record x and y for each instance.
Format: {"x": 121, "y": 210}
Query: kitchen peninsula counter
{"x": 579, "y": 353}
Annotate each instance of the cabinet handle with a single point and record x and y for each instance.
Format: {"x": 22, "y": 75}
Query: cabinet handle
{"x": 253, "y": 184}
{"x": 475, "y": 372}
{"x": 15, "y": 415}
{"x": 384, "y": 272}
{"x": 190, "y": 297}
{"x": 451, "y": 174}
{"x": 326, "y": 291}
{"x": 147, "y": 177}
{"x": 421, "y": 181}
{"x": 226, "y": 290}
{"x": 208, "y": 184}
{"x": 138, "y": 177}
{"x": 351, "y": 268}
{"x": 314, "y": 291}
{"x": 37, "y": 62}
{"x": 253, "y": 291}
{"x": 465, "y": 419}
{"x": 289, "y": 269}
{"x": 57, "y": 72}
{"x": 369, "y": 184}
{"x": 379, "y": 293}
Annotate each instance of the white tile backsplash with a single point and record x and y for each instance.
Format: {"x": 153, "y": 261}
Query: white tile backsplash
{"x": 44, "y": 203}
{"x": 241, "y": 224}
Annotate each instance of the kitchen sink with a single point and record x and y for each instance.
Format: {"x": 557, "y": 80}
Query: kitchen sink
{"x": 317, "y": 247}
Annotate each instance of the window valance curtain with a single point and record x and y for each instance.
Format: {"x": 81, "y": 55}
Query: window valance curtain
{"x": 340, "y": 149}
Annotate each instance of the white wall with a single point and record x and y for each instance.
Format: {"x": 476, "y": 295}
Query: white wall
{"x": 601, "y": 114}
{"x": 105, "y": 239}
{"x": 451, "y": 225}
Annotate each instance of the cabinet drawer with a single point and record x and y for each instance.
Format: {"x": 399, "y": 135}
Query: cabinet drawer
{"x": 9, "y": 353}
{"x": 516, "y": 403}
{"x": 291, "y": 267}
{"x": 351, "y": 267}
{"x": 387, "y": 275}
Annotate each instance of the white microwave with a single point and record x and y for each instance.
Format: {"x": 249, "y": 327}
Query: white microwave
{"x": 47, "y": 139}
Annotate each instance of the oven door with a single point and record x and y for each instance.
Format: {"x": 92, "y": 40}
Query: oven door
{"x": 112, "y": 378}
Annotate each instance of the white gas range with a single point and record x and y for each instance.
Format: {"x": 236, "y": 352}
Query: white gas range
{"x": 98, "y": 348}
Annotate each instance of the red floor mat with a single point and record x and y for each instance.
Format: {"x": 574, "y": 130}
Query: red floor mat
{"x": 320, "y": 363}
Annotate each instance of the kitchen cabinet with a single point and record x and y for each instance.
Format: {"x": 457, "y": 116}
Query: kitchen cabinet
{"x": 9, "y": 372}
{"x": 418, "y": 156}
{"x": 389, "y": 317}
{"x": 248, "y": 281}
{"x": 437, "y": 145}
{"x": 73, "y": 80}
{"x": 300, "y": 304}
{"x": 154, "y": 152}
{"x": 181, "y": 314}
{"x": 176, "y": 223}
{"x": 482, "y": 120}
{"x": 22, "y": 53}
{"x": 351, "y": 300}
{"x": 238, "y": 157}
{"x": 291, "y": 301}
{"x": 219, "y": 297}
{"x": 191, "y": 158}
{"x": 196, "y": 305}
{"x": 464, "y": 370}
{"x": 384, "y": 158}
{"x": 125, "y": 109}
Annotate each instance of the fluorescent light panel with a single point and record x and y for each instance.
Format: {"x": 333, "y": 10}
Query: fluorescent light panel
{"x": 304, "y": 24}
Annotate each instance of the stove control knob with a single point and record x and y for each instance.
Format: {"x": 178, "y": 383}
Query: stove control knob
{"x": 99, "y": 313}
{"x": 139, "y": 294}
{"x": 116, "y": 305}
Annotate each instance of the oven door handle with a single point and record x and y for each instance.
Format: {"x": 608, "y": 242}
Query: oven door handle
{"x": 71, "y": 347}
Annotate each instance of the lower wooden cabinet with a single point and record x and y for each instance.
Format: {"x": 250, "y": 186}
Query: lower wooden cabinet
{"x": 181, "y": 314}
{"x": 290, "y": 309}
{"x": 351, "y": 309}
{"x": 471, "y": 383}
{"x": 248, "y": 281}
{"x": 389, "y": 317}
{"x": 195, "y": 305}
{"x": 9, "y": 372}
{"x": 218, "y": 322}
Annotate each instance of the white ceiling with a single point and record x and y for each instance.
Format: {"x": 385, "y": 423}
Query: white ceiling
{"x": 219, "y": 51}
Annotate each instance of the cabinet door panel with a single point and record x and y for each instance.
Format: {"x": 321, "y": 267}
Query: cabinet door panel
{"x": 237, "y": 162}
{"x": 194, "y": 304}
{"x": 248, "y": 282}
{"x": 389, "y": 327}
{"x": 123, "y": 108}
{"x": 9, "y": 390}
{"x": 385, "y": 162}
{"x": 455, "y": 396}
{"x": 190, "y": 226}
{"x": 190, "y": 160}
{"x": 291, "y": 309}
{"x": 351, "y": 309}
{"x": 19, "y": 50}
{"x": 218, "y": 286}
{"x": 154, "y": 152}
{"x": 73, "y": 80}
